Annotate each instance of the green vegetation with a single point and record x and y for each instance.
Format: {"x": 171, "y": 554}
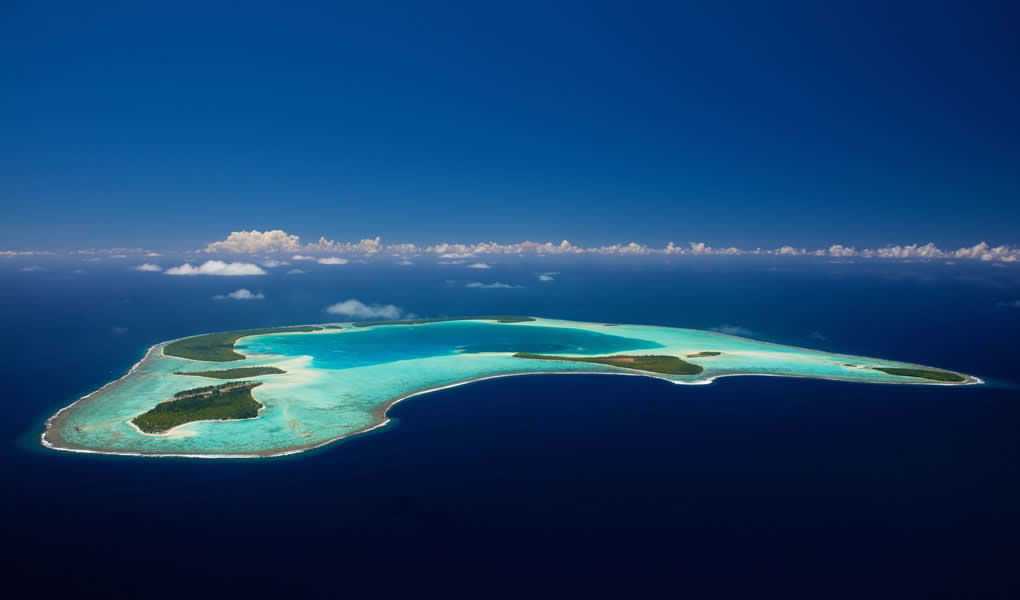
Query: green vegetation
{"x": 237, "y": 373}
{"x": 703, "y": 354}
{"x": 496, "y": 318}
{"x": 923, "y": 374}
{"x": 332, "y": 327}
{"x": 669, "y": 365}
{"x": 211, "y": 403}
{"x": 219, "y": 347}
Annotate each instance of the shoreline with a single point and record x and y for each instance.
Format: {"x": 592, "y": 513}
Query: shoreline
{"x": 380, "y": 414}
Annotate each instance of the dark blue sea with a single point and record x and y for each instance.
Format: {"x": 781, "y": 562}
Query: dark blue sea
{"x": 543, "y": 485}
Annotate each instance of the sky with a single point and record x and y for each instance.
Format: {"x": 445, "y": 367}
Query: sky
{"x": 760, "y": 124}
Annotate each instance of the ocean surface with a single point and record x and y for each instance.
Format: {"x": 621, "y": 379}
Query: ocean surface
{"x": 543, "y": 484}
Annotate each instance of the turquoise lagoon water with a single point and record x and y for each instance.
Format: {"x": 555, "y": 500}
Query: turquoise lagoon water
{"x": 338, "y": 382}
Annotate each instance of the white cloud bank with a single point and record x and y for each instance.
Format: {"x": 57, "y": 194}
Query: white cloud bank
{"x": 356, "y": 309}
{"x": 217, "y": 267}
{"x": 278, "y": 241}
{"x": 492, "y": 286}
{"x": 241, "y": 294}
{"x": 254, "y": 241}
{"x": 149, "y": 267}
{"x": 332, "y": 260}
{"x": 551, "y": 276}
{"x": 479, "y": 265}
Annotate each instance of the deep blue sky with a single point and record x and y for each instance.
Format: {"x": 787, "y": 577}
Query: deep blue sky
{"x": 171, "y": 124}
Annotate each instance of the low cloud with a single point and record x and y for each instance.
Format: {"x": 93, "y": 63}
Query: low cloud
{"x": 736, "y": 330}
{"x": 478, "y": 265}
{"x": 278, "y": 241}
{"x": 405, "y": 263}
{"x": 492, "y": 286}
{"x": 356, "y": 309}
{"x": 332, "y": 260}
{"x": 1013, "y": 304}
{"x": 254, "y": 241}
{"x": 817, "y": 336}
{"x": 149, "y": 267}
{"x": 241, "y": 294}
{"x": 80, "y": 272}
{"x": 273, "y": 263}
{"x": 550, "y": 276}
{"x": 295, "y": 272}
{"x": 32, "y": 269}
{"x": 217, "y": 267}
{"x": 365, "y": 246}
{"x": 302, "y": 257}
{"x": 22, "y": 252}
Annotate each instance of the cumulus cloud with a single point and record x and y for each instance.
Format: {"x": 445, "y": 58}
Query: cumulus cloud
{"x": 149, "y": 267}
{"x": 241, "y": 294}
{"x": 153, "y": 254}
{"x": 527, "y": 247}
{"x": 550, "y": 276}
{"x": 632, "y": 248}
{"x": 366, "y": 246}
{"x": 273, "y": 263}
{"x": 356, "y": 309}
{"x": 478, "y": 265}
{"x": 32, "y": 269}
{"x": 302, "y": 257}
{"x": 491, "y": 286}
{"x": 295, "y": 272}
{"x": 254, "y": 241}
{"x": 703, "y": 249}
{"x": 217, "y": 267}
{"x": 332, "y": 260}
{"x": 736, "y": 330}
{"x": 405, "y": 263}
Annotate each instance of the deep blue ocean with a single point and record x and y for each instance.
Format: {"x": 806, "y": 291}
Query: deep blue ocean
{"x": 761, "y": 487}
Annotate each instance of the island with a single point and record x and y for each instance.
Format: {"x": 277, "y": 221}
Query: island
{"x": 649, "y": 363}
{"x": 497, "y": 319}
{"x": 924, "y": 374}
{"x": 229, "y": 401}
{"x": 238, "y": 373}
{"x": 291, "y": 389}
{"x": 219, "y": 347}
